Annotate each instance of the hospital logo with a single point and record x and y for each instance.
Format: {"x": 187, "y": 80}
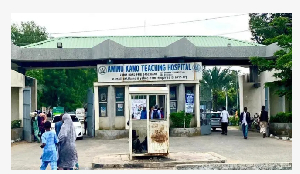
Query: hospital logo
{"x": 197, "y": 67}
{"x": 102, "y": 70}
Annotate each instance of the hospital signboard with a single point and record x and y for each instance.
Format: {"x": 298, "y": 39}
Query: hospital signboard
{"x": 149, "y": 72}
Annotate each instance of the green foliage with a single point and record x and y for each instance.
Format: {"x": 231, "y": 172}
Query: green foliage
{"x": 55, "y": 87}
{"x": 279, "y": 31}
{"x": 231, "y": 95}
{"x": 261, "y": 29}
{"x": 65, "y": 87}
{"x": 219, "y": 81}
{"x": 181, "y": 119}
{"x": 282, "y": 117}
{"x": 27, "y": 33}
{"x": 15, "y": 124}
{"x": 234, "y": 121}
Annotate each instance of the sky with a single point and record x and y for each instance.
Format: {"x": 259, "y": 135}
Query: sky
{"x": 77, "y": 22}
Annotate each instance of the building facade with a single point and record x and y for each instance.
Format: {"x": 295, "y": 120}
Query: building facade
{"x": 253, "y": 94}
{"x": 88, "y": 52}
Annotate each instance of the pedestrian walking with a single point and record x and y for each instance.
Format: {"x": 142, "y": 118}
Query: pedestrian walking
{"x": 67, "y": 148}
{"x": 49, "y": 140}
{"x": 42, "y": 120}
{"x": 224, "y": 120}
{"x": 263, "y": 121}
{"x": 245, "y": 119}
{"x": 36, "y": 127}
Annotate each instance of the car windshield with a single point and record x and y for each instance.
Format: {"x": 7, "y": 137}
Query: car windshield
{"x": 214, "y": 115}
{"x": 74, "y": 118}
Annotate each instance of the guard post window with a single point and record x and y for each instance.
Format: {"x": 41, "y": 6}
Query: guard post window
{"x": 102, "y": 94}
{"x": 120, "y": 93}
{"x": 173, "y": 99}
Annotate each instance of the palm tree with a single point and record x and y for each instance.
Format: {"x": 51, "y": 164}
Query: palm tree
{"x": 216, "y": 80}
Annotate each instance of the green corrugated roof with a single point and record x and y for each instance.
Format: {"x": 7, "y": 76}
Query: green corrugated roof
{"x": 140, "y": 41}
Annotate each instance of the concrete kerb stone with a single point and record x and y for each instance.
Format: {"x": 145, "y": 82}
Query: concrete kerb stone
{"x": 257, "y": 166}
{"x": 122, "y": 160}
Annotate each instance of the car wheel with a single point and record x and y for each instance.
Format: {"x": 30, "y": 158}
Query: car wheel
{"x": 214, "y": 128}
{"x": 79, "y": 138}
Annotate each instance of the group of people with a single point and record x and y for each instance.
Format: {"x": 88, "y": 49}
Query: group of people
{"x": 59, "y": 148}
{"x": 154, "y": 113}
{"x": 38, "y": 121}
{"x": 245, "y": 121}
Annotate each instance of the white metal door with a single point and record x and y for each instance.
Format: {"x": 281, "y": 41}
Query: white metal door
{"x": 157, "y": 129}
{"x": 159, "y": 134}
{"x": 159, "y": 137}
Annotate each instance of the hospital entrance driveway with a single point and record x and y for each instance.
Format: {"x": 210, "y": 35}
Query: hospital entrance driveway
{"x": 255, "y": 149}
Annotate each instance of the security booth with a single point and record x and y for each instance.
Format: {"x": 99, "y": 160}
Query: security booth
{"x": 125, "y": 95}
{"x": 148, "y": 136}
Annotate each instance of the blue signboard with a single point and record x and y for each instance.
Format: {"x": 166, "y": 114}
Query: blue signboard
{"x": 189, "y": 98}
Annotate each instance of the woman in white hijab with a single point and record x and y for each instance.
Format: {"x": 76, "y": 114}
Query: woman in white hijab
{"x": 67, "y": 147}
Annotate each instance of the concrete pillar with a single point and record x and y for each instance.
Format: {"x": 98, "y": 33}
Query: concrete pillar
{"x": 283, "y": 103}
{"x": 181, "y": 98}
{"x": 21, "y": 105}
{"x": 111, "y": 107}
{"x": 168, "y": 107}
{"x": 96, "y": 108}
{"x": 241, "y": 92}
{"x": 197, "y": 105}
{"x": 126, "y": 106}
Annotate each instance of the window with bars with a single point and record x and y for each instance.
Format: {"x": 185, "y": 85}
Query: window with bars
{"x": 102, "y": 94}
{"x": 120, "y": 93}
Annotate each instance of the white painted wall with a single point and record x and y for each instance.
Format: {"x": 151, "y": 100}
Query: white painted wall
{"x": 14, "y": 103}
{"x": 103, "y": 123}
{"x": 17, "y": 79}
{"x": 254, "y": 98}
{"x": 120, "y": 122}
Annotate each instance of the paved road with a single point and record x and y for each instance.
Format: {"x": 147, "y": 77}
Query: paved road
{"x": 236, "y": 149}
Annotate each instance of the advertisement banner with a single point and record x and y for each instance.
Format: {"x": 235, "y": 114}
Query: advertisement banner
{"x": 189, "y": 103}
{"x": 120, "y": 107}
{"x": 173, "y": 105}
{"x": 103, "y": 111}
{"x": 149, "y": 72}
{"x": 137, "y": 107}
{"x": 189, "y": 108}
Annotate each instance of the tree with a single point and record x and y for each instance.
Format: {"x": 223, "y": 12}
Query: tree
{"x": 216, "y": 80}
{"x": 260, "y": 28}
{"x": 27, "y": 33}
{"x": 61, "y": 87}
{"x": 280, "y": 32}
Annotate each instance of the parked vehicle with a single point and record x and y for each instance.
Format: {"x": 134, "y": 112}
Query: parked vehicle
{"x": 215, "y": 119}
{"x": 76, "y": 123}
{"x": 80, "y": 114}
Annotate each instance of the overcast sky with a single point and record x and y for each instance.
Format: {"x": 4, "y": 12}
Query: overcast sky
{"x": 76, "y": 22}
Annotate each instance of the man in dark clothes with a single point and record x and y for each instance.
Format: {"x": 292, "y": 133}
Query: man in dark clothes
{"x": 245, "y": 120}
